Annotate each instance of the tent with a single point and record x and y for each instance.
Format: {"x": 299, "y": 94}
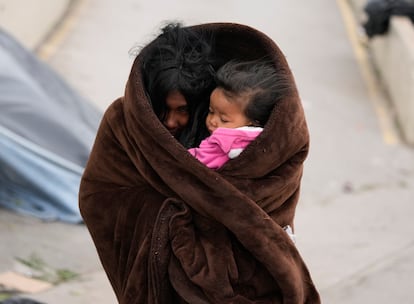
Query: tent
{"x": 46, "y": 133}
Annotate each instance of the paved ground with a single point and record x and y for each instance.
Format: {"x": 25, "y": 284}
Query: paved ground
{"x": 354, "y": 221}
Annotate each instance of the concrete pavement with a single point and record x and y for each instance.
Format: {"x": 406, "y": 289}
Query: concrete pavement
{"x": 353, "y": 221}
{"x": 31, "y": 22}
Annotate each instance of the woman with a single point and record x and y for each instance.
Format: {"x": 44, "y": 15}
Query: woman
{"x": 170, "y": 230}
{"x": 178, "y": 72}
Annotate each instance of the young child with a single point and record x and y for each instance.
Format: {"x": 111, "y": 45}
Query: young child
{"x": 240, "y": 106}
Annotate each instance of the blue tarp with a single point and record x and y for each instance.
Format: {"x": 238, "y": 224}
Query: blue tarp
{"x": 46, "y": 133}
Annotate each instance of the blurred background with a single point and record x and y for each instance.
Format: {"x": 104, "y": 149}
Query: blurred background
{"x": 65, "y": 61}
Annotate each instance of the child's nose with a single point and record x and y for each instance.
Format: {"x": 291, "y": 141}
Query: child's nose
{"x": 213, "y": 121}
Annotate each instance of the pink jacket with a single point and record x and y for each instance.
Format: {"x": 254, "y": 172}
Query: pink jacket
{"x": 224, "y": 144}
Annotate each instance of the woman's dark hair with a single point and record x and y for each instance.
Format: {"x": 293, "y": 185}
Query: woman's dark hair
{"x": 180, "y": 59}
{"x": 257, "y": 83}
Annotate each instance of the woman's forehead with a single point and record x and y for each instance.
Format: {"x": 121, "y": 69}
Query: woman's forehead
{"x": 175, "y": 100}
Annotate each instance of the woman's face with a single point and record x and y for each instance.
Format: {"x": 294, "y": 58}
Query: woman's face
{"x": 177, "y": 115}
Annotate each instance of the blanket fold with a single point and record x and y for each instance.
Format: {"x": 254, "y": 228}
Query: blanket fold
{"x": 170, "y": 230}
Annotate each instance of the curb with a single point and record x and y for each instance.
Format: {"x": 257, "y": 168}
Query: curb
{"x": 385, "y": 114}
{"x": 57, "y": 35}
{"x": 391, "y": 56}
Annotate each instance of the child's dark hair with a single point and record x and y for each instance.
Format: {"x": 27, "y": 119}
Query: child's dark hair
{"x": 179, "y": 59}
{"x": 258, "y": 83}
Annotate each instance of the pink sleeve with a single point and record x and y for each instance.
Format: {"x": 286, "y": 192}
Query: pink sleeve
{"x": 210, "y": 152}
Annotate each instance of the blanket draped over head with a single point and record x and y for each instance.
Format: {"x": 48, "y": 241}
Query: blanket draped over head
{"x": 169, "y": 230}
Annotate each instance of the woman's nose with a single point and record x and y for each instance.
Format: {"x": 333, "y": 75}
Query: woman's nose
{"x": 170, "y": 120}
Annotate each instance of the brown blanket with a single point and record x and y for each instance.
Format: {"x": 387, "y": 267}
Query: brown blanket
{"x": 170, "y": 230}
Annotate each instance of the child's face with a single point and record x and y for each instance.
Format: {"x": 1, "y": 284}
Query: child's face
{"x": 225, "y": 112}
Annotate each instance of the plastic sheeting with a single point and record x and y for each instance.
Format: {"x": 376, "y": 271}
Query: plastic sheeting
{"x": 46, "y": 133}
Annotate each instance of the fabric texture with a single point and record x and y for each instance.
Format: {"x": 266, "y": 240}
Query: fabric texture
{"x": 224, "y": 144}
{"x": 170, "y": 230}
